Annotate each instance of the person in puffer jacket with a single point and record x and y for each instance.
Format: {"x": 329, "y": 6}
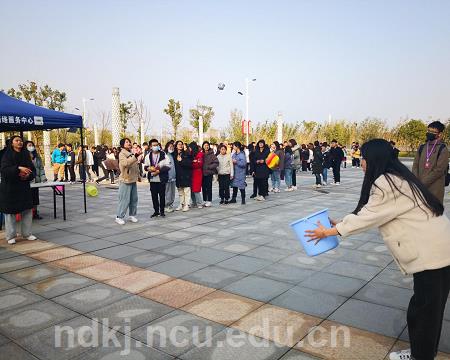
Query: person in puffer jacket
{"x": 172, "y": 178}
{"x": 225, "y": 171}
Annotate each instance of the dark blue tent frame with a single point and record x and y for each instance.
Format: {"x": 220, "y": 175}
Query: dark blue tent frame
{"x": 17, "y": 115}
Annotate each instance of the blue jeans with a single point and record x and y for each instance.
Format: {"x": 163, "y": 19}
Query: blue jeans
{"x": 275, "y": 177}
{"x": 128, "y": 199}
{"x": 288, "y": 177}
{"x": 325, "y": 175}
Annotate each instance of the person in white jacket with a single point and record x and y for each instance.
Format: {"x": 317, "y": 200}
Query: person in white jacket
{"x": 225, "y": 172}
{"x": 415, "y": 229}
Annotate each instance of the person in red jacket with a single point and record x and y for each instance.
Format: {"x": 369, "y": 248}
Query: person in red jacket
{"x": 197, "y": 174}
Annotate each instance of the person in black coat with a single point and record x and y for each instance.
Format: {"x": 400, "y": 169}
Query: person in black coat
{"x": 16, "y": 172}
{"x": 317, "y": 163}
{"x": 261, "y": 171}
{"x": 183, "y": 169}
{"x": 336, "y": 157}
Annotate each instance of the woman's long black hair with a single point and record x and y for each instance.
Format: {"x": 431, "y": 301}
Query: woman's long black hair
{"x": 380, "y": 160}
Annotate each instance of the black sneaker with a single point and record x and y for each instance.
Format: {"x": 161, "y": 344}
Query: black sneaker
{"x": 162, "y": 215}
{"x": 155, "y": 215}
{"x": 232, "y": 201}
{"x": 221, "y": 201}
{"x": 226, "y": 202}
{"x": 252, "y": 196}
{"x": 243, "y": 202}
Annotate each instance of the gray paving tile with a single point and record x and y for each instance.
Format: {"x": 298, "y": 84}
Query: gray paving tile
{"x": 90, "y": 298}
{"x": 150, "y": 243}
{"x": 258, "y": 288}
{"x": 383, "y": 294}
{"x": 286, "y": 273}
{"x": 59, "y": 285}
{"x": 64, "y": 340}
{"x": 309, "y": 301}
{"x": 269, "y": 253}
{"x": 126, "y": 237}
{"x": 235, "y": 246}
{"x": 145, "y": 259}
{"x": 208, "y": 240}
{"x": 4, "y": 340}
{"x": 16, "y": 263}
{"x": 227, "y": 347}
{"x": 176, "y": 250}
{"x": 92, "y": 230}
{"x": 135, "y": 351}
{"x": 88, "y": 246}
{"x": 308, "y": 262}
{"x": 117, "y": 252}
{"x": 187, "y": 329}
{"x": 6, "y": 284}
{"x": 334, "y": 284}
{"x": 179, "y": 235}
{"x": 244, "y": 264}
{"x": 257, "y": 239}
{"x": 32, "y": 318}
{"x": 355, "y": 270}
{"x": 177, "y": 267}
{"x": 72, "y": 239}
{"x": 297, "y": 355}
{"x": 132, "y": 312}
{"x": 214, "y": 276}
{"x": 13, "y": 351}
{"x": 5, "y": 254}
{"x": 33, "y": 274}
{"x": 374, "y": 247}
{"x": 15, "y": 298}
{"x": 371, "y": 317}
{"x": 395, "y": 278}
{"x": 208, "y": 256}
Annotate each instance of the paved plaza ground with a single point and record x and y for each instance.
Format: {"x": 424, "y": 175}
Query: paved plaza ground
{"x": 231, "y": 277}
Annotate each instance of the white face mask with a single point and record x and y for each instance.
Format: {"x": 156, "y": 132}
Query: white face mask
{"x": 31, "y": 148}
{"x": 170, "y": 151}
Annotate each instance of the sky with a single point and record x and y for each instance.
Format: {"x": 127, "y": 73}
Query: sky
{"x": 349, "y": 59}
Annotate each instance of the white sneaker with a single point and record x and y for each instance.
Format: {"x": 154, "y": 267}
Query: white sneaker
{"x": 324, "y": 184}
{"x": 290, "y": 189}
{"x": 272, "y": 190}
{"x": 120, "y": 221}
{"x": 11, "y": 241}
{"x": 318, "y": 186}
{"x": 185, "y": 208}
{"x": 200, "y": 206}
{"x": 208, "y": 204}
{"x": 31, "y": 238}
{"x": 276, "y": 191}
{"x": 294, "y": 187}
{"x": 170, "y": 209}
{"x": 260, "y": 198}
{"x": 400, "y": 355}
{"x": 287, "y": 189}
{"x": 338, "y": 183}
{"x": 179, "y": 208}
{"x": 133, "y": 219}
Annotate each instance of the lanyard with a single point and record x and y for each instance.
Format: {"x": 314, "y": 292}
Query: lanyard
{"x": 430, "y": 152}
{"x": 155, "y": 159}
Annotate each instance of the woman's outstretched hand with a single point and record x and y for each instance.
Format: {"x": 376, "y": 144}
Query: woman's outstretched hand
{"x": 321, "y": 232}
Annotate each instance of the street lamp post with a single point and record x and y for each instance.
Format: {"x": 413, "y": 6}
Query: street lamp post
{"x": 200, "y": 130}
{"x": 247, "y": 119}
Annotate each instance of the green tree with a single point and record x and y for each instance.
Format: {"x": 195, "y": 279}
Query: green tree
{"x": 126, "y": 113}
{"x": 173, "y": 109}
{"x": 207, "y": 114}
{"x": 338, "y": 129}
{"x": 234, "y": 129}
{"x": 412, "y": 133}
{"x": 33, "y": 93}
{"x": 308, "y": 131}
{"x": 371, "y": 128}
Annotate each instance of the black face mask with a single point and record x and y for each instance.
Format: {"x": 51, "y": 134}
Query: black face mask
{"x": 431, "y": 136}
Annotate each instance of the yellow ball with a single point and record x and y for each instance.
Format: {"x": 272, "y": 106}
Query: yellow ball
{"x": 91, "y": 190}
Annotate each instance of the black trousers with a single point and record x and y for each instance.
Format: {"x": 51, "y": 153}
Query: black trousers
{"x": 358, "y": 162}
{"x": 426, "y": 312}
{"x": 207, "y": 187}
{"x": 224, "y": 187}
{"x": 235, "y": 191}
{"x": 69, "y": 172}
{"x": 294, "y": 177}
{"x": 336, "y": 172}
{"x": 158, "y": 191}
{"x": 262, "y": 186}
{"x": 318, "y": 179}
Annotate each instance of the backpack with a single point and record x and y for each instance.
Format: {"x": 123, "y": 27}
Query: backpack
{"x": 442, "y": 147}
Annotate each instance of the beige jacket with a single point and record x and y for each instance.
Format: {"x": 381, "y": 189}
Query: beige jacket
{"x": 417, "y": 240}
{"x": 225, "y": 165}
{"x": 434, "y": 177}
{"x": 128, "y": 166}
